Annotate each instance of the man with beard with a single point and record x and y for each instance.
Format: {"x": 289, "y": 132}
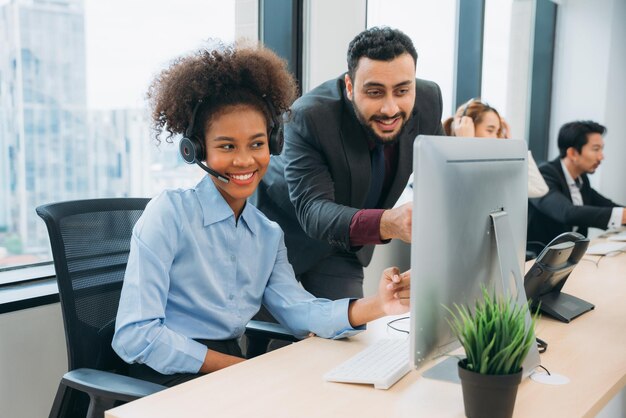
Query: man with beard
{"x": 348, "y": 155}
{"x": 571, "y": 204}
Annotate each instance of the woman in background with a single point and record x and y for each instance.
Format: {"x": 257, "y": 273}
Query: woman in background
{"x": 476, "y": 119}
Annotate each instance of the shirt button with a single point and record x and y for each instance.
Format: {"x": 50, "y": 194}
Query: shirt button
{"x": 231, "y": 296}
{"x": 233, "y": 258}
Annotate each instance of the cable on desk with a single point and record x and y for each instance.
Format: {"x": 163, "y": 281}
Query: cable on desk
{"x": 610, "y": 254}
{"x": 542, "y": 346}
{"x": 596, "y": 262}
{"x": 547, "y": 371}
{"x": 390, "y": 324}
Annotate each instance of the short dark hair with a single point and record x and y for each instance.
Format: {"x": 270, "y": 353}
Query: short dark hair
{"x": 574, "y": 135}
{"x": 379, "y": 43}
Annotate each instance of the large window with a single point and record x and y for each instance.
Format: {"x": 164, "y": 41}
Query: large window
{"x": 73, "y": 117}
{"x": 496, "y": 53}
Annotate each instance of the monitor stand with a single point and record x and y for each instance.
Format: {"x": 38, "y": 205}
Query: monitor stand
{"x": 509, "y": 265}
{"x": 562, "y": 306}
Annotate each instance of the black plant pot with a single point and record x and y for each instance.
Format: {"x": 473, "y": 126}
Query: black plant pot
{"x": 488, "y": 395}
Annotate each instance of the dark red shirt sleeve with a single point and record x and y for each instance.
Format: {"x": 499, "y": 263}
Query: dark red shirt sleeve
{"x": 365, "y": 227}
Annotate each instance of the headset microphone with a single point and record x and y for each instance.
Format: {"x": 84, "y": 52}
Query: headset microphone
{"x": 192, "y": 150}
{"x": 213, "y": 173}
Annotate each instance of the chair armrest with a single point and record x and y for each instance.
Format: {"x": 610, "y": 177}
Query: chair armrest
{"x": 270, "y": 330}
{"x": 109, "y": 385}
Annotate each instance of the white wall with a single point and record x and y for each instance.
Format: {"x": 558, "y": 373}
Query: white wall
{"x": 32, "y": 360}
{"x": 431, "y": 26}
{"x": 519, "y": 59}
{"x": 329, "y": 26}
{"x": 614, "y": 168}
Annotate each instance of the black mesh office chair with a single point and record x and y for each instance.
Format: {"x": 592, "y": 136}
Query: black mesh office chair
{"x": 90, "y": 242}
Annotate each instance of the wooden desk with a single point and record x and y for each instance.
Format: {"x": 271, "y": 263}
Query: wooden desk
{"x": 591, "y": 351}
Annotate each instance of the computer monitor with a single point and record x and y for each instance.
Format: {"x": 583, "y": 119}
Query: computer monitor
{"x": 468, "y": 230}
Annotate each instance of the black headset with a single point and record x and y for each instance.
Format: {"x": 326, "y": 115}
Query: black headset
{"x": 275, "y": 134}
{"x": 192, "y": 148}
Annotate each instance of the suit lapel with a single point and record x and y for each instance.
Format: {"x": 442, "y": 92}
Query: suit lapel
{"x": 564, "y": 186}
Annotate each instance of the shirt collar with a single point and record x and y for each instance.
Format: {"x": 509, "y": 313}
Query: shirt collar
{"x": 568, "y": 177}
{"x": 250, "y": 217}
{"x": 215, "y": 208}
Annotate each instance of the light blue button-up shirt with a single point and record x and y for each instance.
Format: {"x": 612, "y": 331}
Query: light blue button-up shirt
{"x": 195, "y": 273}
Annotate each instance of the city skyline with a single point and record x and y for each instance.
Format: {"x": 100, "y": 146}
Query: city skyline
{"x": 53, "y": 145}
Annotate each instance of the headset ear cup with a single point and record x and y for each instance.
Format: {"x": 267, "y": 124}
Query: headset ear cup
{"x": 191, "y": 150}
{"x": 277, "y": 139}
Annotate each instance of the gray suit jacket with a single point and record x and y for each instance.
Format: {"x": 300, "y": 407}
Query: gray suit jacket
{"x": 321, "y": 179}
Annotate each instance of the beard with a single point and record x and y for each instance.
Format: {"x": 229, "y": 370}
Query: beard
{"x": 371, "y": 133}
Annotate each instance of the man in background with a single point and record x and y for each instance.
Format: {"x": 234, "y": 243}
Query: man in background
{"x": 571, "y": 204}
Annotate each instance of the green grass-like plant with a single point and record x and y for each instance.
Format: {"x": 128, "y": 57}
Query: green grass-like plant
{"x": 495, "y": 337}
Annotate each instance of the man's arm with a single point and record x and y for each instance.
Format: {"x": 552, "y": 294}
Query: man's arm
{"x": 559, "y": 207}
{"x": 596, "y": 199}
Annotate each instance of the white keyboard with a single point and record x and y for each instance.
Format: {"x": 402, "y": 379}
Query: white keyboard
{"x": 381, "y": 364}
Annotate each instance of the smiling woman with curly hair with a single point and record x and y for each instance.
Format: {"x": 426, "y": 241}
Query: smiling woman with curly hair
{"x": 203, "y": 260}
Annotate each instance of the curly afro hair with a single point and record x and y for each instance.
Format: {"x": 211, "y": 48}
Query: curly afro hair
{"x": 226, "y": 76}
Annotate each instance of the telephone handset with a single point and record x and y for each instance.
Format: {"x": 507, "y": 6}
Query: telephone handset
{"x": 545, "y": 279}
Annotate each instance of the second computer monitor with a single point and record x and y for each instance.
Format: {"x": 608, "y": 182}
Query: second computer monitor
{"x": 459, "y": 184}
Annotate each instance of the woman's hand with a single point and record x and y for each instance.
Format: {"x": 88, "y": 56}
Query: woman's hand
{"x": 506, "y": 129}
{"x": 392, "y": 299}
{"x": 464, "y": 127}
{"x": 394, "y": 291}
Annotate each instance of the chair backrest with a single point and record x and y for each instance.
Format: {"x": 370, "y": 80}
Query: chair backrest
{"x": 90, "y": 241}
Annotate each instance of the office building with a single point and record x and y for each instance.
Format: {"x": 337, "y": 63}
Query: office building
{"x": 43, "y": 120}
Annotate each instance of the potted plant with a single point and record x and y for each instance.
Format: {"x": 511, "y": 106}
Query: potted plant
{"x": 496, "y": 340}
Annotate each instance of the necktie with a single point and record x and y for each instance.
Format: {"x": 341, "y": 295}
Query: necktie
{"x": 378, "y": 176}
